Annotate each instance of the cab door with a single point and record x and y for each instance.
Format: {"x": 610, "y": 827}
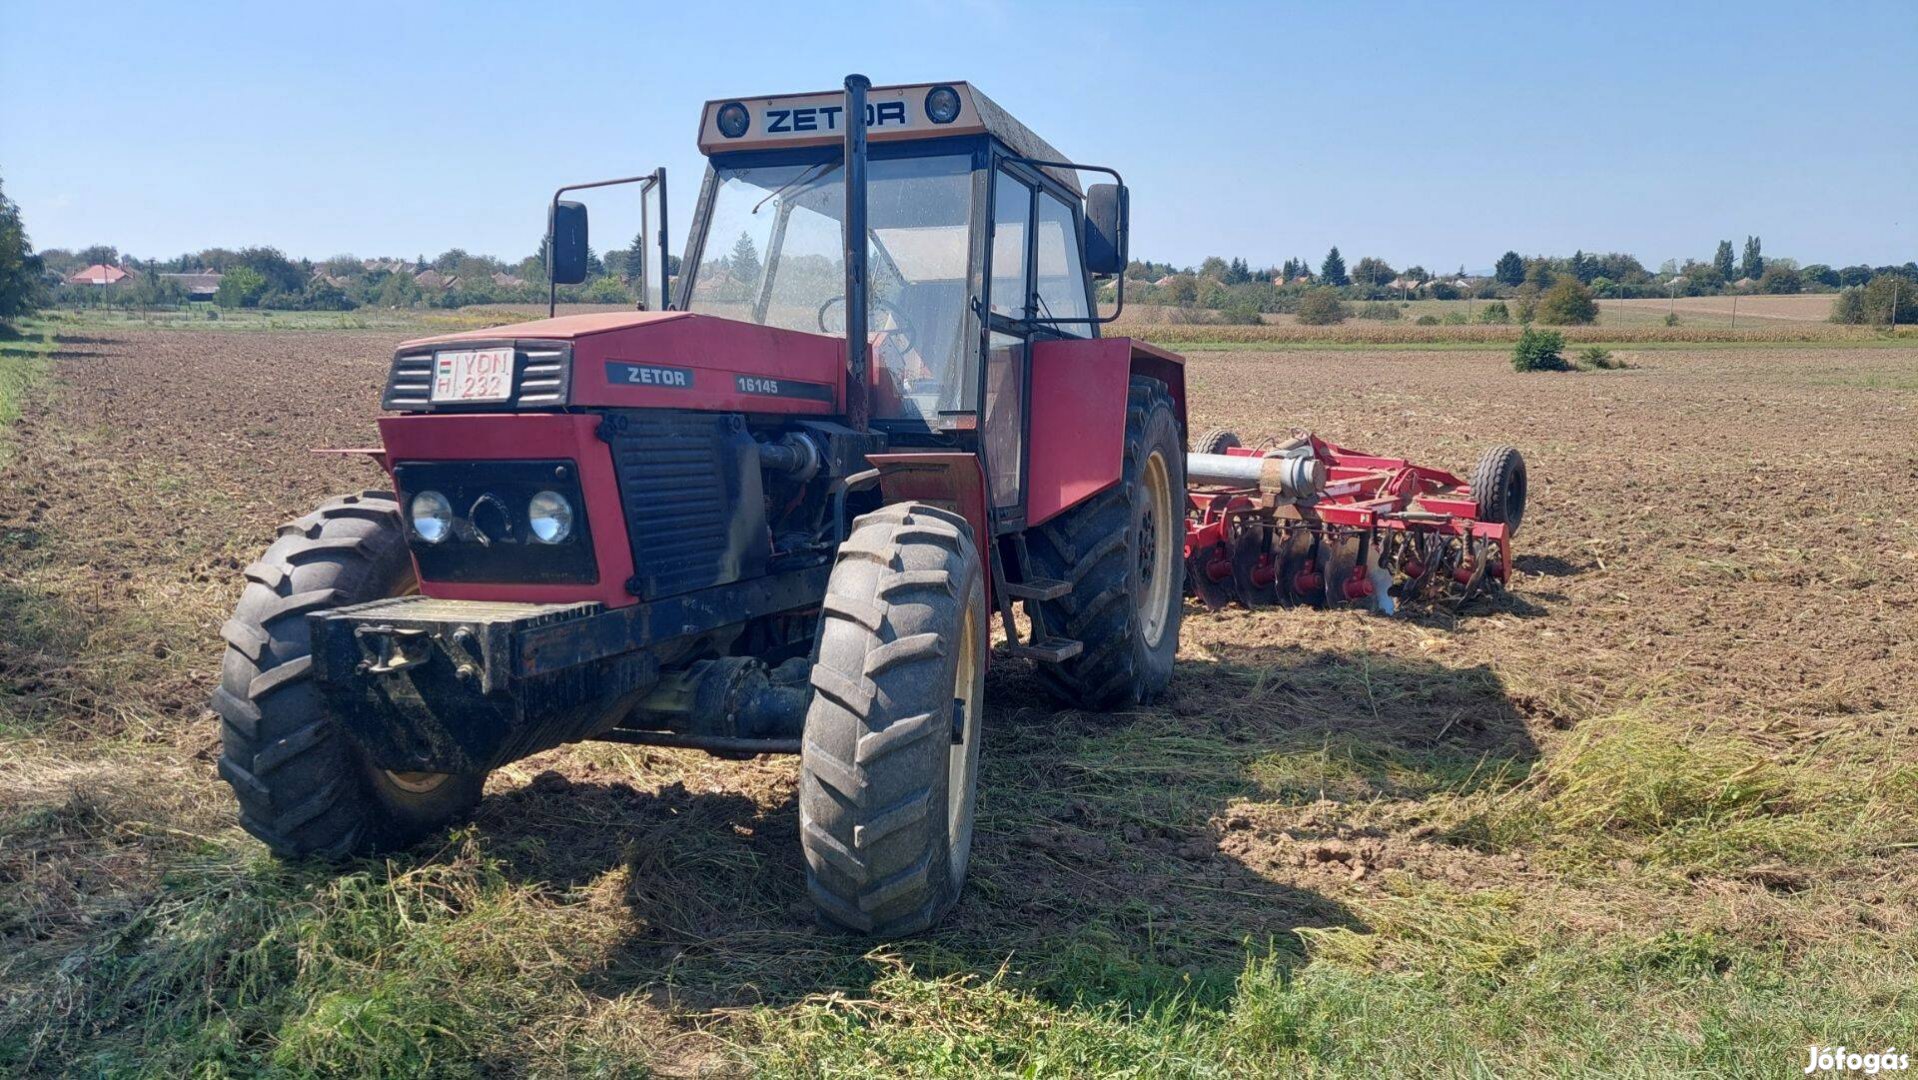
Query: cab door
{"x": 1009, "y": 306}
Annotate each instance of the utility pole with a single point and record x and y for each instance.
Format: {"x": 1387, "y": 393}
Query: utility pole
{"x": 1734, "y": 311}
{"x": 1895, "y": 282}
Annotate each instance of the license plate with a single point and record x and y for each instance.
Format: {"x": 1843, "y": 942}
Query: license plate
{"x": 475, "y": 375}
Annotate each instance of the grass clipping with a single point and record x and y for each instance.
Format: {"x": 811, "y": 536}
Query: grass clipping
{"x": 1632, "y": 790}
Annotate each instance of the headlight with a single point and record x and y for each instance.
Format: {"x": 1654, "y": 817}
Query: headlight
{"x": 942, "y": 104}
{"x": 432, "y": 517}
{"x": 733, "y": 120}
{"x": 551, "y": 517}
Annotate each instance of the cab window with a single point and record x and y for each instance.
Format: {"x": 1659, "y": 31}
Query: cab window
{"x": 1062, "y": 279}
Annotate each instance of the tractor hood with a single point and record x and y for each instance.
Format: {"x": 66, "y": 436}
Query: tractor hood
{"x": 625, "y": 359}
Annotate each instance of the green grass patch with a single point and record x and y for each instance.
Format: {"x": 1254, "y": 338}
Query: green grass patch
{"x": 1698, "y": 803}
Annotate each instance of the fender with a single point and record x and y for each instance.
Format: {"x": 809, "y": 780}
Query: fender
{"x": 1078, "y": 417}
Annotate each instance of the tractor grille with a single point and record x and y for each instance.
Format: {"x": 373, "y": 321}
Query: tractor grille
{"x": 542, "y": 377}
{"x": 695, "y": 508}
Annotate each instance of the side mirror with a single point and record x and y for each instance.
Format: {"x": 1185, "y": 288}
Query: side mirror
{"x": 568, "y": 243}
{"x": 1107, "y": 208}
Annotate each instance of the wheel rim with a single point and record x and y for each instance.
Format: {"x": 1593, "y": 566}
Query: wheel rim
{"x": 417, "y": 783}
{"x": 963, "y": 755}
{"x": 1157, "y": 530}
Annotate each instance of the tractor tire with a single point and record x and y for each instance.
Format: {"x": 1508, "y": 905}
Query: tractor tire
{"x": 1122, "y": 552}
{"x": 1498, "y": 484}
{"x": 1216, "y": 441}
{"x": 305, "y": 788}
{"x": 886, "y": 793}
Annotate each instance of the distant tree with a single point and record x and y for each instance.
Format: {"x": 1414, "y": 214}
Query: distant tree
{"x": 1540, "y": 273}
{"x": 1321, "y": 306}
{"x": 1495, "y": 312}
{"x": 1182, "y": 289}
{"x": 1849, "y": 305}
{"x": 398, "y": 290}
{"x": 1213, "y": 267}
{"x": 242, "y": 286}
{"x": 1332, "y": 270}
{"x": 100, "y": 254}
{"x": 635, "y": 259}
{"x": 1584, "y": 267}
{"x": 1510, "y": 269}
{"x": 743, "y": 263}
{"x": 1237, "y": 272}
{"x": 1722, "y": 261}
{"x": 1780, "y": 277}
{"x": 1568, "y": 303}
{"x": 1854, "y": 275}
{"x": 279, "y": 272}
{"x": 1420, "y": 274}
{"x": 1820, "y": 274}
{"x": 1371, "y": 271}
{"x": 1889, "y": 298}
{"x": 21, "y": 289}
{"x": 1753, "y": 265}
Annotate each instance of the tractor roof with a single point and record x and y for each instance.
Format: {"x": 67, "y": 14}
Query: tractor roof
{"x": 895, "y": 114}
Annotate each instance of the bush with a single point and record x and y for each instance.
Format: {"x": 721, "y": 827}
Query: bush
{"x": 1849, "y": 306}
{"x": 1455, "y": 318}
{"x": 241, "y": 286}
{"x": 1427, "y": 320}
{"x": 1539, "y": 350}
{"x": 1378, "y": 309}
{"x": 1240, "y": 313}
{"x": 606, "y": 290}
{"x": 1568, "y": 303}
{"x": 1495, "y": 313}
{"x": 1322, "y": 307}
{"x": 1671, "y": 318}
{"x": 1596, "y": 358}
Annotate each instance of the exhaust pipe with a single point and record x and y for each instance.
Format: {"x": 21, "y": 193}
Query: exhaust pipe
{"x": 858, "y": 410}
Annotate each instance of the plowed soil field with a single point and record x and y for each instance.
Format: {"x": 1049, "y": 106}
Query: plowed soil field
{"x": 1626, "y": 816}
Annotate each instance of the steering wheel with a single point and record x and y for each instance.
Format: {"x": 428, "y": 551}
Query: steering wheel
{"x": 900, "y": 326}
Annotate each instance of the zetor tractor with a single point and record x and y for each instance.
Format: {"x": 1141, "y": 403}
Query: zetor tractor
{"x": 774, "y": 516}
{"x": 778, "y": 514}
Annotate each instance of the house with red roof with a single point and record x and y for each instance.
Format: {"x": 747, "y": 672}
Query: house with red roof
{"x": 98, "y": 274}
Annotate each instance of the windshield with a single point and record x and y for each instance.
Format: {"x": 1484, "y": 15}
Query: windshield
{"x": 774, "y": 255}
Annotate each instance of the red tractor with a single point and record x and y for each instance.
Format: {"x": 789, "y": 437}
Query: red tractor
{"x": 774, "y": 516}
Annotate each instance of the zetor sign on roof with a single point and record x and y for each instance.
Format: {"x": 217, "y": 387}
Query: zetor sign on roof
{"x": 923, "y": 111}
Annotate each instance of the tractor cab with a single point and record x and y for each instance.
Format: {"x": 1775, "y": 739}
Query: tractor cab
{"x": 973, "y": 246}
{"x": 978, "y": 243}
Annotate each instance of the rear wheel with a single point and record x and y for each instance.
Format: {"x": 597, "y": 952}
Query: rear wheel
{"x": 888, "y": 769}
{"x": 304, "y": 787}
{"x": 1216, "y": 441}
{"x": 1122, "y": 552}
{"x": 1498, "y": 485}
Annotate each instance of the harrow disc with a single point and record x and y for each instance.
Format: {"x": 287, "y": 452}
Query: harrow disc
{"x": 1344, "y": 574}
{"x": 1300, "y": 578}
{"x": 1255, "y": 573}
{"x": 1215, "y": 595}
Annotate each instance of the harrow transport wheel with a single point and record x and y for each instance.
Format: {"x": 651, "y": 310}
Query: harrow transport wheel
{"x": 1498, "y": 483}
{"x": 1120, "y": 551}
{"x": 889, "y": 766}
{"x": 305, "y": 788}
{"x": 1216, "y": 441}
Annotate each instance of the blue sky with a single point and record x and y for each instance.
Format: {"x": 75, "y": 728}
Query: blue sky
{"x": 1422, "y": 133}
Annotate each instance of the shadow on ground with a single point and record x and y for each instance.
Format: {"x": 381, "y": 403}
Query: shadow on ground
{"x": 1097, "y": 871}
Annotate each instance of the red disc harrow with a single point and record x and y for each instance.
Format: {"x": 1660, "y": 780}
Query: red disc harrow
{"x": 1309, "y": 522}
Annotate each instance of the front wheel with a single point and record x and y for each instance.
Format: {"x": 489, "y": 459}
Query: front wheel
{"x": 304, "y": 787}
{"x": 888, "y": 768}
